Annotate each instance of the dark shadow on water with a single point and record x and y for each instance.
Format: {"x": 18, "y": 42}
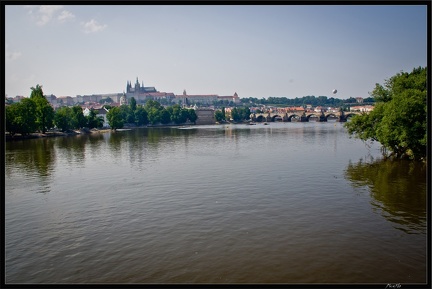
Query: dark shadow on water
{"x": 397, "y": 189}
{"x": 39, "y": 159}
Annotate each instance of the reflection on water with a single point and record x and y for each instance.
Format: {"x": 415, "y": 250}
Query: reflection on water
{"x": 39, "y": 159}
{"x": 212, "y": 204}
{"x": 398, "y": 191}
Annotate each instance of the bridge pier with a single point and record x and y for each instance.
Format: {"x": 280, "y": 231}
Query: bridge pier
{"x": 322, "y": 118}
{"x": 301, "y": 116}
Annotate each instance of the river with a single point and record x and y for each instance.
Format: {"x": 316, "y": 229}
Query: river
{"x": 280, "y": 203}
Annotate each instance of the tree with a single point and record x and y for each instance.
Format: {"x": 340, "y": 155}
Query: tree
{"x": 132, "y": 104}
{"x": 21, "y": 117}
{"x": 94, "y": 121}
{"x": 192, "y": 115}
{"x": 398, "y": 120}
{"x": 153, "y": 109}
{"x": 44, "y": 110}
{"x": 244, "y": 113}
{"x": 219, "y": 116}
{"x": 63, "y": 118}
{"x": 165, "y": 116}
{"x": 141, "y": 117}
{"x": 128, "y": 115}
{"x": 78, "y": 120}
{"x": 235, "y": 114}
{"x": 153, "y": 115}
{"x": 178, "y": 115}
{"x": 11, "y": 112}
{"x": 115, "y": 119}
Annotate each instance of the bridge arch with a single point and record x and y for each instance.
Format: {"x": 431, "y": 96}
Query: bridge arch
{"x": 294, "y": 117}
{"x": 276, "y": 116}
{"x": 313, "y": 115}
{"x": 332, "y": 115}
{"x": 261, "y": 118}
{"x": 349, "y": 115}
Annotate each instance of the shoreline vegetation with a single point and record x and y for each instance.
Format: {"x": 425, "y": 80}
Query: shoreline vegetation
{"x": 84, "y": 131}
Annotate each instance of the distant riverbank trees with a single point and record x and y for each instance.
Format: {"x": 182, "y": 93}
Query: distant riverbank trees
{"x": 35, "y": 114}
{"x": 399, "y": 119}
{"x": 236, "y": 114}
{"x": 150, "y": 113}
{"x": 30, "y": 114}
{"x": 303, "y": 101}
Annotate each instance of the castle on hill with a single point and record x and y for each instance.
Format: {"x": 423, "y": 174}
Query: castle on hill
{"x": 143, "y": 93}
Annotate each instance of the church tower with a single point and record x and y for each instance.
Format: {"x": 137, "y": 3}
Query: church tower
{"x": 137, "y": 86}
{"x": 123, "y": 99}
{"x": 128, "y": 86}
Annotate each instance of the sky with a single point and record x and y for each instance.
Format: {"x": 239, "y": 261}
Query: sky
{"x": 254, "y": 50}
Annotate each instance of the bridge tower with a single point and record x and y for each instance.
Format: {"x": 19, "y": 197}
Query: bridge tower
{"x": 342, "y": 117}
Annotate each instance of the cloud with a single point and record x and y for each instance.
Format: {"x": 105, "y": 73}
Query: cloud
{"x": 93, "y": 26}
{"x": 65, "y": 15}
{"x": 44, "y": 14}
{"x": 12, "y": 55}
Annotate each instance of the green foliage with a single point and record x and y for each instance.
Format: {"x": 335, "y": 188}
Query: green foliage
{"x": 36, "y": 92}
{"x": 219, "y": 116}
{"x": 132, "y": 104}
{"x": 240, "y": 114}
{"x": 154, "y": 115}
{"x": 21, "y": 117}
{"x": 78, "y": 120}
{"x": 165, "y": 116}
{"x": 192, "y": 115}
{"x": 94, "y": 121}
{"x": 44, "y": 110}
{"x": 115, "y": 119}
{"x": 141, "y": 117}
{"x": 178, "y": 115}
{"x": 398, "y": 120}
{"x": 235, "y": 114}
{"x": 63, "y": 118}
{"x": 128, "y": 115}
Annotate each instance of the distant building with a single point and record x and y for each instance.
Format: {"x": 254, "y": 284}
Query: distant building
{"x": 123, "y": 99}
{"x": 234, "y": 98}
{"x": 204, "y": 99}
{"x": 362, "y": 108}
{"x": 143, "y": 93}
{"x": 18, "y": 98}
{"x": 100, "y": 112}
{"x": 205, "y": 115}
{"x": 65, "y": 100}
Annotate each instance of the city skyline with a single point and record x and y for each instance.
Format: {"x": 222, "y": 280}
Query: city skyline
{"x": 256, "y": 51}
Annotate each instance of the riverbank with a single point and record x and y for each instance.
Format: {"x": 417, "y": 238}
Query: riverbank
{"x": 16, "y": 137}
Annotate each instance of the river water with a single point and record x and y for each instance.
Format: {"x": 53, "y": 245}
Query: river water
{"x": 284, "y": 203}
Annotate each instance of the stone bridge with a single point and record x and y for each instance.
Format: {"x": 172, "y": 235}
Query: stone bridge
{"x": 301, "y": 116}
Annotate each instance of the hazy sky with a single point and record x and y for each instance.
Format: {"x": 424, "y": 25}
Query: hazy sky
{"x": 256, "y": 51}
